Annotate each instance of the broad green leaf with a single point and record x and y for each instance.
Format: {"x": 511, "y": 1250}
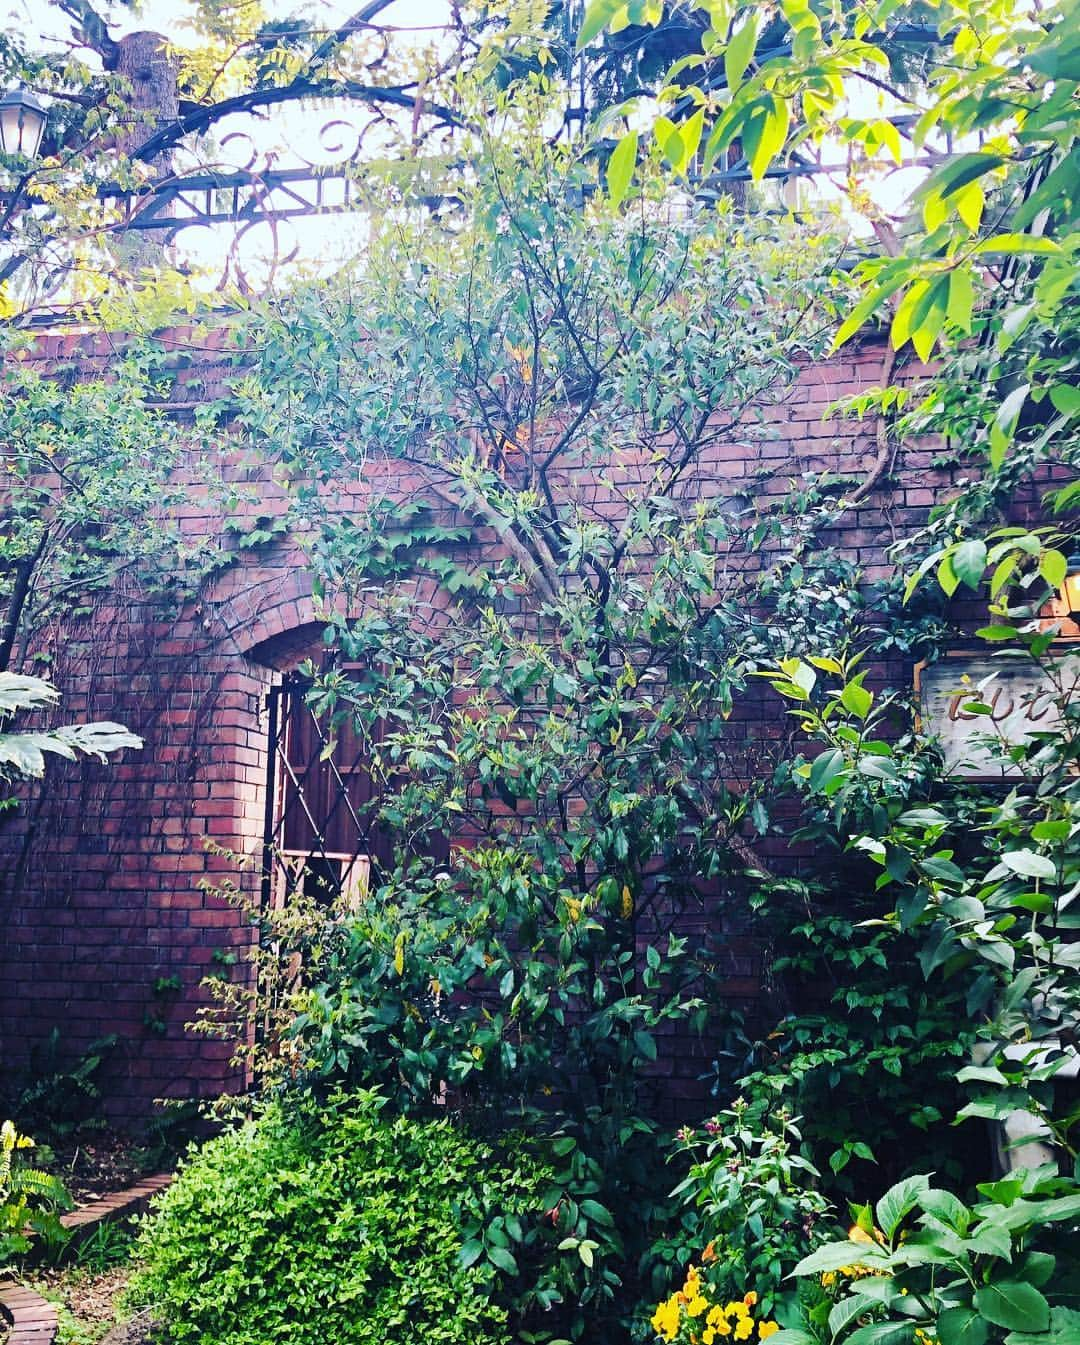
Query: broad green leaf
{"x": 1053, "y": 567}
{"x": 689, "y": 139}
{"x": 836, "y": 1254}
{"x": 856, "y": 699}
{"x": 844, "y": 1313}
{"x": 1064, "y": 1330}
{"x": 739, "y": 51}
{"x": 597, "y": 17}
{"x": 898, "y": 1201}
{"x": 1014, "y": 1305}
{"x": 882, "y": 1333}
{"x": 1066, "y": 398}
{"x": 827, "y": 767}
{"x": 471, "y": 1251}
{"x": 620, "y": 168}
{"x": 503, "y": 1259}
{"x": 868, "y": 304}
{"x": 763, "y": 131}
{"x": 961, "y": 298}
{"x": 1029, "y": 864}
{"x": 961, "y": 1326}
{"x": 930, "y": 321}
{"x": 969, "y": 562}
{"x": 969, "y": 203}
{"x": 1017, "y": 245}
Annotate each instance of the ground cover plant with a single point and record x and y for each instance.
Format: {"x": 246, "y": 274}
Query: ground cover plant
{"x": 342, "y": 1221}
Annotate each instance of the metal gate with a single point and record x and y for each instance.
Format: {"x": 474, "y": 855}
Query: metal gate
{"x": 319, "y": 837}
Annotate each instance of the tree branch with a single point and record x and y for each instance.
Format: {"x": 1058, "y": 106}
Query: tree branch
{"x": 200, "y": 119}
{"x": 361, "y": 19}
{"x": 92, "y": 29}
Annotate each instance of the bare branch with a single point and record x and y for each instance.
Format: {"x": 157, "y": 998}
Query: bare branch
{"x": 359, "y": 21}
{"x": 201, "y": 118}
{"x": 92, "y": 29}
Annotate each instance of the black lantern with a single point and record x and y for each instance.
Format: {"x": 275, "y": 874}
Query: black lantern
{"x": 22, "y": 123}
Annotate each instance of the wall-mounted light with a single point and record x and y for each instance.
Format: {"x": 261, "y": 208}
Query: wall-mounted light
{"x": 22, "y": 123}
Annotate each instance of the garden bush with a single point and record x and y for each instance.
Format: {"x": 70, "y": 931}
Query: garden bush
{"x": 318, "y": 1223}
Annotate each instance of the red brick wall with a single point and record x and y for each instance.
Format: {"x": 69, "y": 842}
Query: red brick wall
{"x": 109, "y": 894}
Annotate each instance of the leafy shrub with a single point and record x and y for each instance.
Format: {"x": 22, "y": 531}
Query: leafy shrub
{"x": 335, "y": 1223}
{"x": 55, "y": 1096}
{"x": 750, "y": 1213}
{"x": 923, "y": 1265}
{"x": 30, "y": 1200}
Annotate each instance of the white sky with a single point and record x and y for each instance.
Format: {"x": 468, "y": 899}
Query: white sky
{"x": 292, "y": 130}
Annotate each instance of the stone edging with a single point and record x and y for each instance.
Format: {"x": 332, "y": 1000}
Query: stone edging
{"x": 80, "y": 1223}
{"x": 31, "y": 1318}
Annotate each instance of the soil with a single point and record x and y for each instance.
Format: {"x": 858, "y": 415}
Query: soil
{"x": 136, "y": 1332}
{"x": 99, "y": 1165}
{"x": 90, "y": 1297}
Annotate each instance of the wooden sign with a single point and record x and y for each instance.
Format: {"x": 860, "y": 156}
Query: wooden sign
{"x": 1022, "y": 698}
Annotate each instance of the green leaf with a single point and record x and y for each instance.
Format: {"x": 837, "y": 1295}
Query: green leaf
{"x": 961, "y": 1326}
{"x": 856, "y": 699}
{"x": 1053, "y": 567}
{"x": 1028, "y": 864}
{"x": 925, "y": 333}
{"x": 922, "y": 817}
{"x": 597, "y": 17}
{"x": 868, "y": 304}
{"x": 598, "y": 1213}
{"x": 1066, "y": 398}
{"x": 620, "y": 168}
{"x": 969, "y": 562}
{"x": 763, "y": 131}
{"x": 1014, "y": 1305}
{"x": 836, "y": 1254}
{"x": 898, "y": 1201}
{"x": 961, "y": 298}
{"x": 471, "y": 1251}
{"x": 739, "y": 50}
{"x": 1016, "y": 244}
{"x": 826, "y": 767}
{"x": 882, "y": 1333}
{"x": 504, "y": 1260}
{"x": 844, "y": 1313}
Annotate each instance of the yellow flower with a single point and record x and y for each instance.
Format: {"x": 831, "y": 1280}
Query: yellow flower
{"x": 709, "y": 1254}
{"x": 696, "y": 1306}
{"x": 718, "y": 1322}
{"x": 737, "y": 1307}
{"x": 744, "y": 1328}
{"x": 573, "y": 909}
{"x": 750, "y": 1299}
{"x": 665, "y": 1320}
{"x": 828, "y": 1279}
{"x": 766, "y": 1329}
